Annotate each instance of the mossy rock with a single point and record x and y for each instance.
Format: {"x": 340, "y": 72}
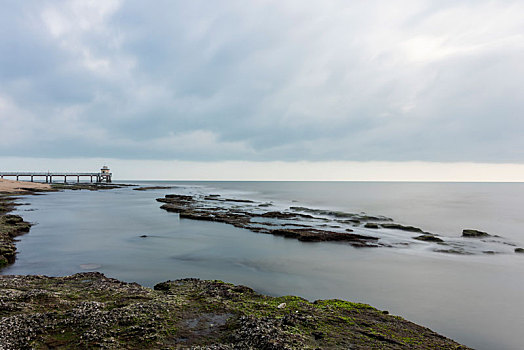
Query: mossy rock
{"x": 89, "y": 310}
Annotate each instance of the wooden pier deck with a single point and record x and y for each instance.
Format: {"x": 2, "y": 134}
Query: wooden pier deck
{"x": 31, "y": 176}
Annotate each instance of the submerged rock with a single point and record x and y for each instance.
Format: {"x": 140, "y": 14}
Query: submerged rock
{"x": 457, "y": 251}
{"x": 89, "y": 310}
{"x": 474, "y": 233}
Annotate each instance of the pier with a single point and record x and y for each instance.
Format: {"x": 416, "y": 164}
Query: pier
{"x": 103, "y": 176}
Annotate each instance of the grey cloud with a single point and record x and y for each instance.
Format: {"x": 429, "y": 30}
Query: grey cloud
{"x": 276, "y": 80}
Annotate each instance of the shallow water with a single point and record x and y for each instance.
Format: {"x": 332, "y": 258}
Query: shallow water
{"x": 474, "y": 299}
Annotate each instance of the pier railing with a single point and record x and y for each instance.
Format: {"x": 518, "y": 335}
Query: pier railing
{"x": 20, "y": 175}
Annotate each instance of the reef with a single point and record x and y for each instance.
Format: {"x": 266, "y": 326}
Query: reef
{"x": 359, "y": 230}
{"x": 271, "y": 222}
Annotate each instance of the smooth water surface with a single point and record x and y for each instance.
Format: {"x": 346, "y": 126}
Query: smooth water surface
{"x": 474, "y": 299}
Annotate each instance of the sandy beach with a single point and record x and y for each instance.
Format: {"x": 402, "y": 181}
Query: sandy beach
{"x": 11, "y": 186}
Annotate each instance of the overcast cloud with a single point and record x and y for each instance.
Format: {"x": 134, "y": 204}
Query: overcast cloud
{"x": 263, "y": 80}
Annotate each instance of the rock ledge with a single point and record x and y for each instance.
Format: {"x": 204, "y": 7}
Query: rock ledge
{"x": 89, "y": 310}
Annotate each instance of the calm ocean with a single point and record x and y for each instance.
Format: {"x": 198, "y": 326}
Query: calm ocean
{"x": 474, "y": 299}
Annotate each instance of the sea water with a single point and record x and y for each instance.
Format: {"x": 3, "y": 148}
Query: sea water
{"x": 474, "y": 299}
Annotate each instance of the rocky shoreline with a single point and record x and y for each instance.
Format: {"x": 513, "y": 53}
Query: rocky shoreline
{"x": 89, "y": 310}
{"x": 11, "y": 226}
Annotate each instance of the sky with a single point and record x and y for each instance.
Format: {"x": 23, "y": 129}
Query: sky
{"x": 275, "y": 89}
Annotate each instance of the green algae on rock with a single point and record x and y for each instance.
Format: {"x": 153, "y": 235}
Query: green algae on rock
{"x": 89, "y": 310}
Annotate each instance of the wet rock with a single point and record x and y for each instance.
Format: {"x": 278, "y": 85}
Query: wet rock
{"x": 11, "y": 226}
{"x": 179, "y": 197}
{"x": 519, "y": 250}
{"x": 453, "y": 251}
{"x": 284, "y": 215}
{"x": 265, "y": 205}
{"x": 470, "y": 233}
{"x": 401, "y": 227}
{"x": 428, "y": 238}
{"x": 12, "y": 219}
{"x": 340, "y": 214}
{"x": 233, "y": 200}
{"x": 314, "y": 235}
{"x": 172, "y": 208}
{"x": 87, "y": 186}
{"x": 371, "y": 225}
{"x": 349, "y": 221}
{"x": 148, "y": 188}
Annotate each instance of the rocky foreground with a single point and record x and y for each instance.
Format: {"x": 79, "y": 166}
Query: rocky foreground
{"x": 89, "y": 310}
